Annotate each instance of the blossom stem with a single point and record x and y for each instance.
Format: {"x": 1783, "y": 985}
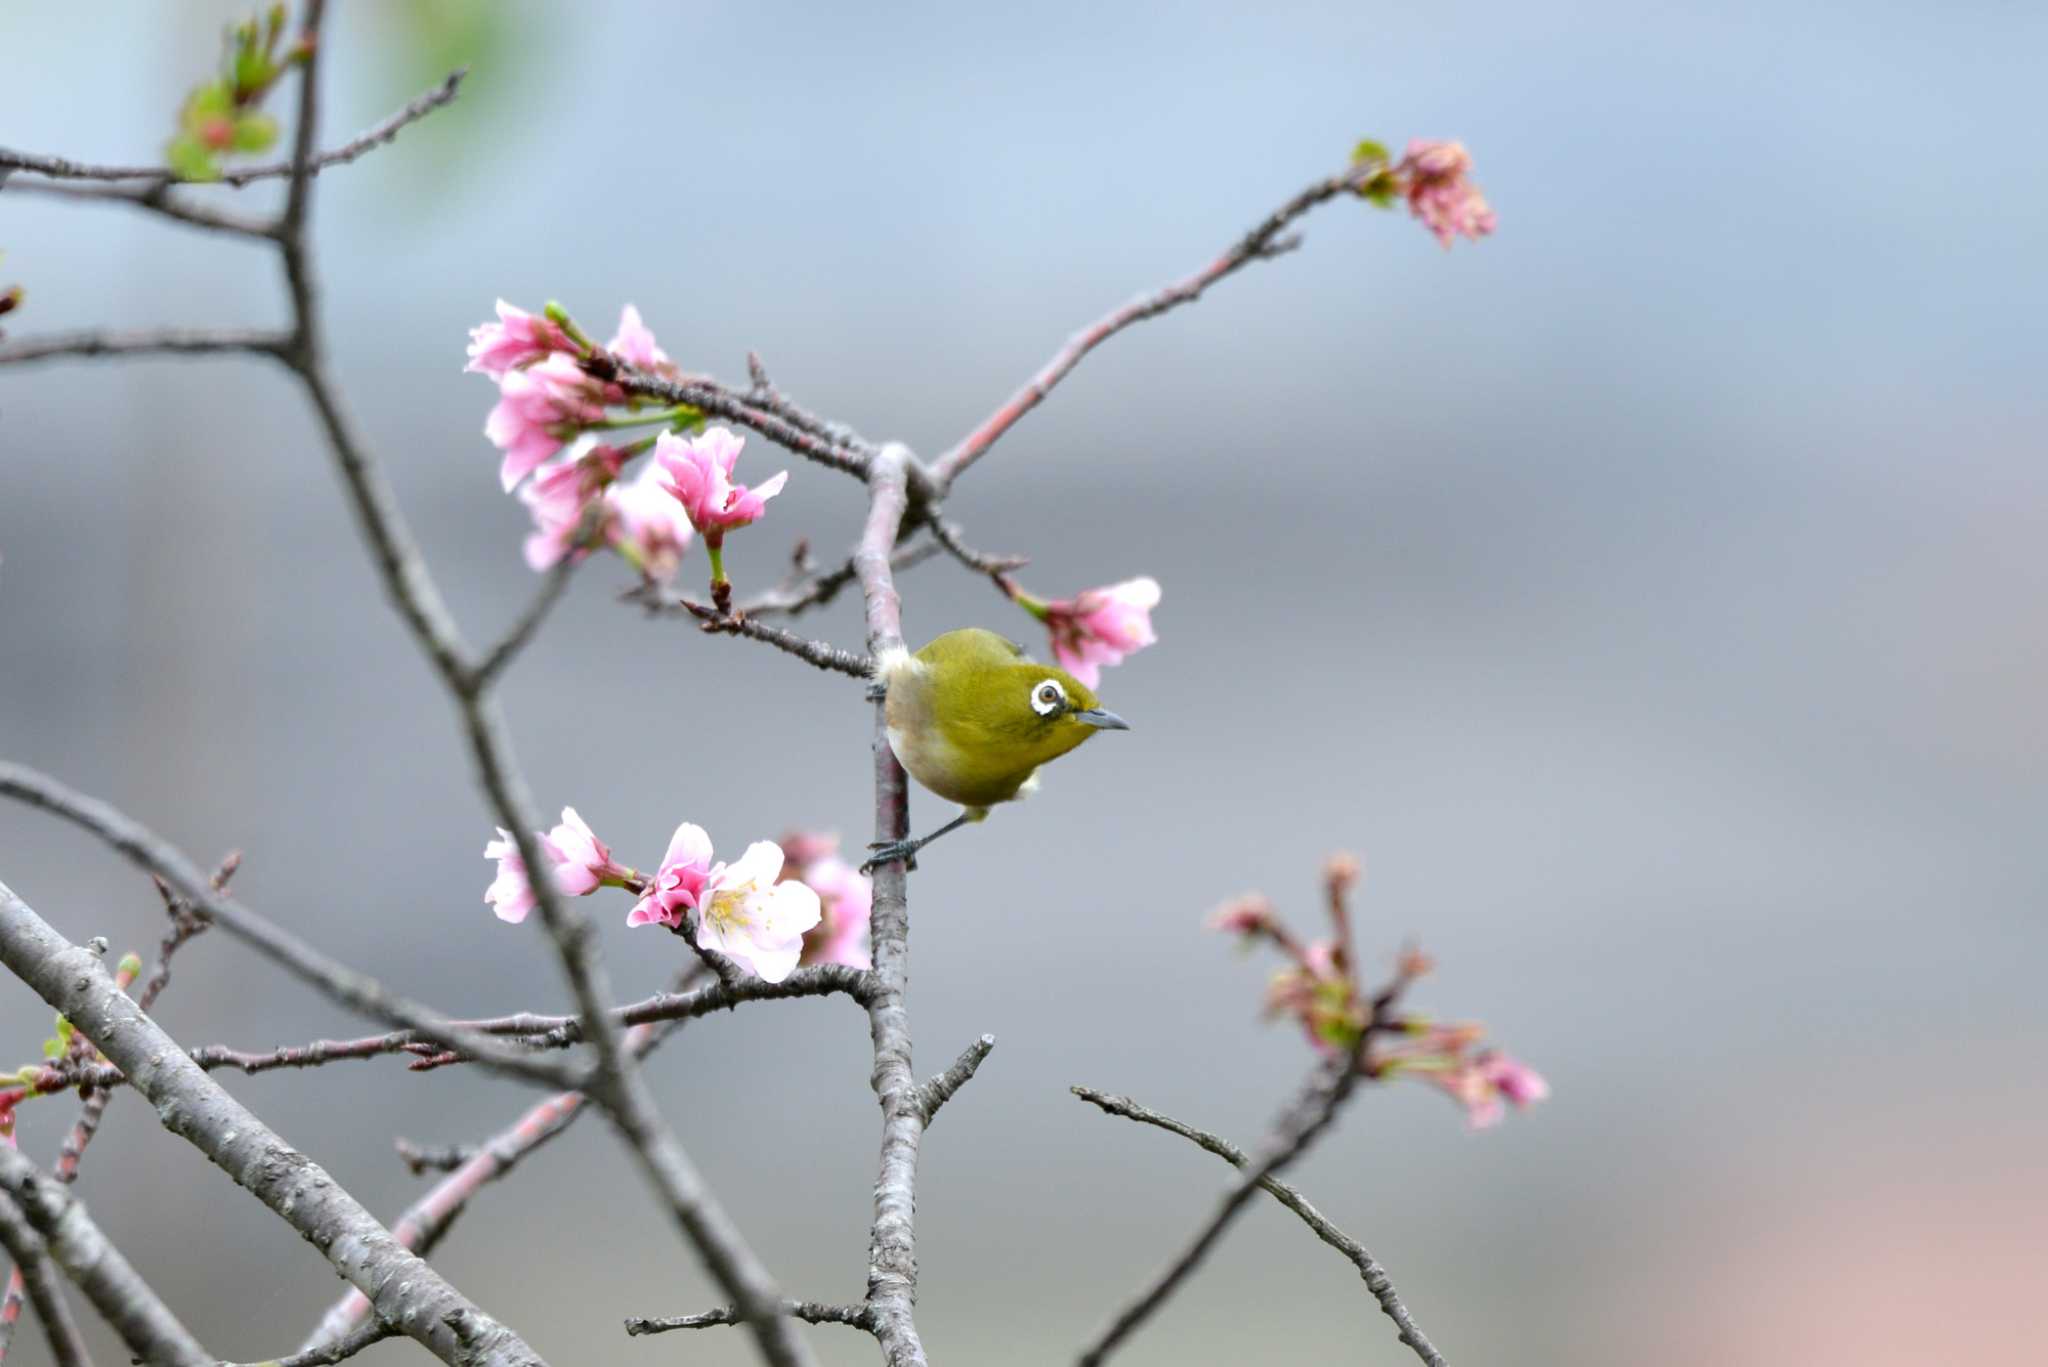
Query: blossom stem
{"x": 559, "y": 316}
{"x": 664, "y": 417}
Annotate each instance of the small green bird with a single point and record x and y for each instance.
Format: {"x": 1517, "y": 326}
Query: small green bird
{"x": 972, "y": 717}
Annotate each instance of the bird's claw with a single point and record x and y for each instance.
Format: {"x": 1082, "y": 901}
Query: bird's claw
{"x": 888, "y": 852}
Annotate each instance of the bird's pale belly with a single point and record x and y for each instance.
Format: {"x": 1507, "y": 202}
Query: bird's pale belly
{"x": 937, "y": 765}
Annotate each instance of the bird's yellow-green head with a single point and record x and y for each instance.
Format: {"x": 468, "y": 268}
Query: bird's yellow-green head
{"x": 972, "y": 716}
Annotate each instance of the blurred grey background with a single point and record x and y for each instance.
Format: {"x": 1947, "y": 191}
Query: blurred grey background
{"x": 1651, "y": 594}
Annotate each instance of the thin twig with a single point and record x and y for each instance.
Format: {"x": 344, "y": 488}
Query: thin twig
{"x": 102, "y": 1275}
{"x": 158, "y": 199}
{"x": 1261, "y": 242}
{"x": 948, "y": 535}
{"x": 1376, "y": 1279}
{"x": 822, "y": 654}
{"x": 421, "y": 1159}
{"x": 810, "y": 1312}
{"x": 60, "y": 168}
{"x": 765, "y": 395}
{"x": 1304, "y": 1121}
{"x": 364, "y": 1335}
{"x": 32, "y": 1272}
{"x": 552, "y": 586}
{"x": 937, "y": 1091}
{"x": 159, "y": 342}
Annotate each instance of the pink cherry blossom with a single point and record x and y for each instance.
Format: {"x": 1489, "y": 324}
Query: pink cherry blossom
{"x": 559, "y": 496}
{"x": 650, "y": 523}
{"x": 700, "y": 478}
{"x": 1513, "y": 1079}
{"x": 1248, "y": 916}
{"x": 581, "y": 863}
{"x": 846, "y": 899}
{"x": 744, "y": 913}
{"x": 634, "y": 343}
{"x": 538, "y": 410}
{"x": 510, "y": 894}
{"x": 1101, "y": 626}
{"x": 1441, "y": 193}
{"x": 516, "y": 340}
{"x": 678, "y": 887}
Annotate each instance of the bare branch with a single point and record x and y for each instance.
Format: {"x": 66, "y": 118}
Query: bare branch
{"x": 157, "y": 199}
{"x": 102, "y": 1275}
{"x": 810, "y": 1312}
{"x": 159, "y": 342}
{"x": 765, "y": 395}
{"x": 1261, "y": 242}
{"x": 32, "y": 1273}
{"x": 146, "y": 849}
{"x": 1304, "y": 1121}
{"x": 421, "y": 1159}
{"x": 1376, "y": 1279}
{"x": 405, "y": 1291}
{"x": 892, "y": 1237}
{"x": 937, "y": 1091}
{"x": 822, "y": 654}
{"x": 552, "y": 586}
{"x": 981, "y": 562}
{"x": 364, "y": 1335}
{"x": 58, "y": 168}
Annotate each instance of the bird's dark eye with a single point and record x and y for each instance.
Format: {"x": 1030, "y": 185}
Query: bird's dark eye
{"x": 1048, "y": 697}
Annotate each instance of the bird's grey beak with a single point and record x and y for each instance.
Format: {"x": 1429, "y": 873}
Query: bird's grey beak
{"x": 1096, "y": 717}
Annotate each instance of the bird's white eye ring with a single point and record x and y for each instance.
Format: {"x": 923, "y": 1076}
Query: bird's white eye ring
{"x": 1048, "y": 697}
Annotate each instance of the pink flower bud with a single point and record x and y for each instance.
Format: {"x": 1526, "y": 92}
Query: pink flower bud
{"x": 516, "y": 340}
{"x": 1515, "y": 1080}
{"x": 1101, "y": 626}
{"x": 1249, "y": 915}
{"x": 580, "y": 861}
{"x": 510, "y": 895}
{"x": 700, "y": 478}
{"x": 1441, "y": 193}
{"x": 539, "y": 409}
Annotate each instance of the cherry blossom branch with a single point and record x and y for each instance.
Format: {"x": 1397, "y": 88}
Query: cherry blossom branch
{"x": 159, "y": 342}
{"x": 938, "y": 1090}
{"x": 716, "y": 400}
{"x": 404, "y": 1290}
{"x": 805, "y": 588}
{"x": 60, "y": 168}
{"x": 615, "y": 1081}
{"x": 309, "y": 965}
{"x": 32, "y": 1272}
{"x": 1376, "y": 1279}
{"x": 948, "y": 535}
{"x": 1303, "y": 1123}
{"x": 810, "y": 1312}
{"x": 421, "y": 1159}
{"x": 1261, "y": 242}
{"x": 892, "y": 1237}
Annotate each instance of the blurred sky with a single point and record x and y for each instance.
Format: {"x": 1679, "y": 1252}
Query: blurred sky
{"x": 1652, "y": 594}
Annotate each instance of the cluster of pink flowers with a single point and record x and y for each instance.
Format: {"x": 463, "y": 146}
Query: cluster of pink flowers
{"x": 571, "y": 482}
{"x": 745, "y": 910}
{"x": 1438, "y": 187}
{"x": 1096, "y": 627}
{"x": 1318, "y": 988}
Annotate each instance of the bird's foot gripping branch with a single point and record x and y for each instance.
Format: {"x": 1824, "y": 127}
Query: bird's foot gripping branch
{"x": 617, "y": 449}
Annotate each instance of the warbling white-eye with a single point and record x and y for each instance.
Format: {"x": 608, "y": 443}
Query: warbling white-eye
{"x": 972, "y": 717}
